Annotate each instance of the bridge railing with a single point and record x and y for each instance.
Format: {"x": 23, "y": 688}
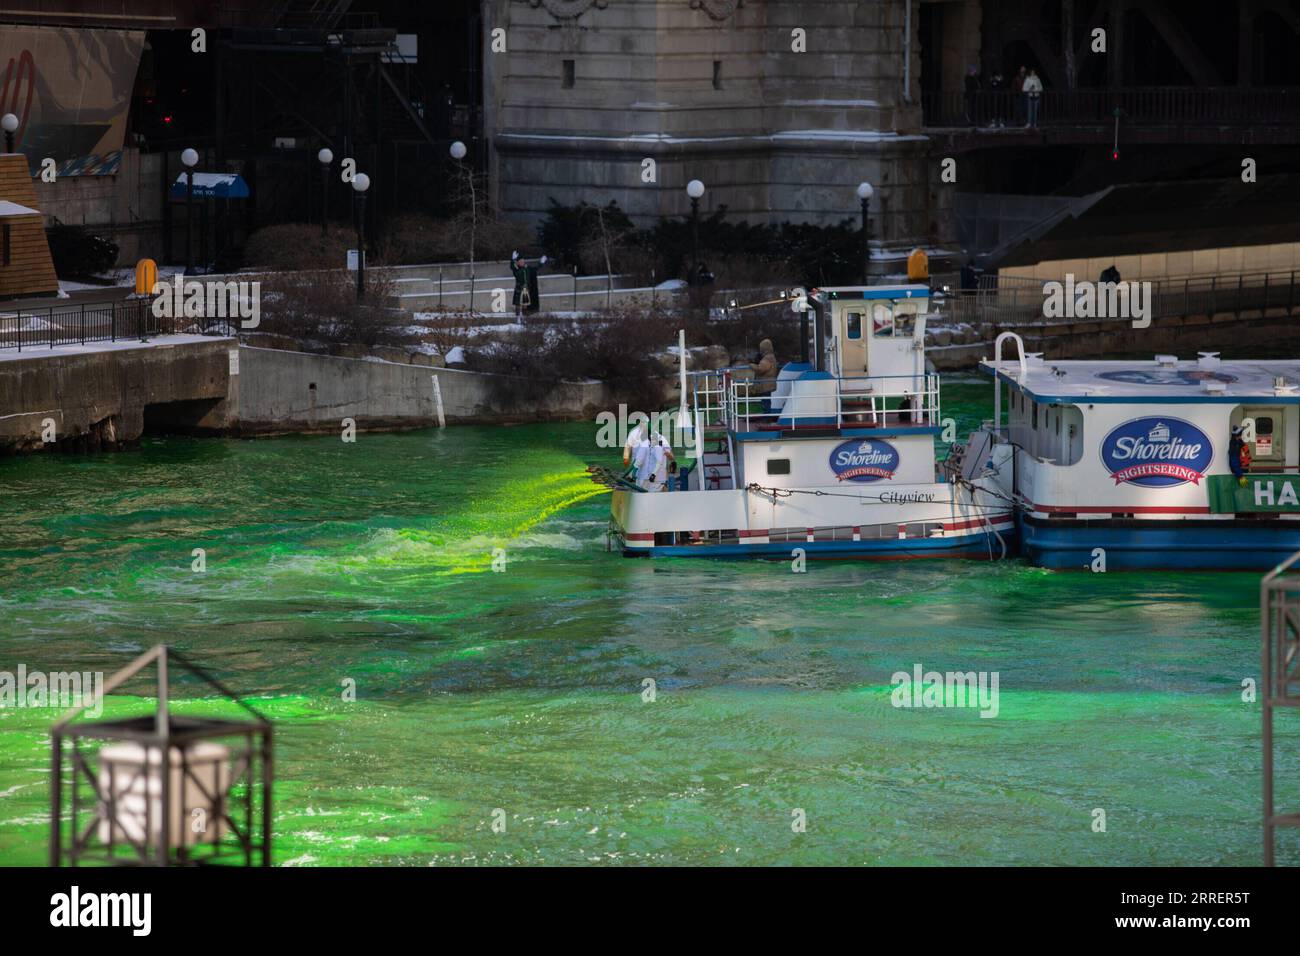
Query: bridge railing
{"x": 80, "y": 323}
{"x": 1020, "y": 301}
{"x": 1209, "y": 106}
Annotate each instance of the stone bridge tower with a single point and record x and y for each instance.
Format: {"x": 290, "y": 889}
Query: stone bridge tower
{"x": 780, "y": 108}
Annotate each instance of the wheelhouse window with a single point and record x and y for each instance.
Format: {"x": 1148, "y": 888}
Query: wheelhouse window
{"x": 778, "y": 466}
{"x": 882, "y": 321}
{"x": 855, "y": 325}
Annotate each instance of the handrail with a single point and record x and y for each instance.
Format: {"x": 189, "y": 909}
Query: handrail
{"x": 735, "y": 399}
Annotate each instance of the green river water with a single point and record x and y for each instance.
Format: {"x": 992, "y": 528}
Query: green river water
{"x": 522, "y": 690}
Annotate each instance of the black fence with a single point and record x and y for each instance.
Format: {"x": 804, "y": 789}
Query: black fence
{"x": 82, "y": 322}
{"x": 1154, "y": 106}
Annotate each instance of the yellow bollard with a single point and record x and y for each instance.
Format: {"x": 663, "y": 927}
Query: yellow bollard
{"x": 918, "y": 266}
{"x": 146, "y": 276}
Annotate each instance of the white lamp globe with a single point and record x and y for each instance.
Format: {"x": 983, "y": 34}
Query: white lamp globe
{"x": 865, "y": 191}
{"x": 189, "y": 158}
{"x": 9, "y": 122}
{"x": 361, "y": 183}
{"x": 695, "y": 189}
{"x": 325, "y": 156}
{"x": 458, "y": 150}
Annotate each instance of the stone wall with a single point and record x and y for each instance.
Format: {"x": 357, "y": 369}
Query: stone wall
{"x": 781, "y": 135}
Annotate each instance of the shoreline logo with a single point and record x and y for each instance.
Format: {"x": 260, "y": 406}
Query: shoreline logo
{"x": 132, "y": 910}
{"x": 196, "y": 299}
{"x": 1157, "y": 452}
{"x": 1098, "y": 300}
{"x": 614, "y": 430}
{"x": 923, "y": 688}
{"x": 58, "y": 689}
{"x": 864, "y": 460}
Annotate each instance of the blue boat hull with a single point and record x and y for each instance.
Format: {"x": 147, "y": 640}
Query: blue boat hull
{"x": 1134, "y": 544}
{"x": 980, "y": 546}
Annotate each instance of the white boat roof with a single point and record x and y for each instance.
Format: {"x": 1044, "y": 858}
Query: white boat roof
{"x": 1163, "y": 380}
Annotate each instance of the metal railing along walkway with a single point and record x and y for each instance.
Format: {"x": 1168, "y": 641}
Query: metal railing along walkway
{"x": 79, "y": 323}
{"x": 1279, "y": 685}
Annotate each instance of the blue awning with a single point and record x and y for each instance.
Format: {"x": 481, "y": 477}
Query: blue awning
{"x": 213, "y": 186}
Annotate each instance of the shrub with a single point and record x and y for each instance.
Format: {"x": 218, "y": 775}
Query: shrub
{"x": 416, "y": 239}
{"x": 322, "y": 307}
{"x": 79, "y": 253}
{"x": 293, "y": 246}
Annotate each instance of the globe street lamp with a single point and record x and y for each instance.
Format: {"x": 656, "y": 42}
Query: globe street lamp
{"x": 359, "y": 186}
{"x": 695, "y": 189}
{"x": 864, "y": 194}
{"x": 458, "y": 152}
{"x": 189, "y": 158}
{"x": 324, "y": 157}
{"x": 9, "y": 122}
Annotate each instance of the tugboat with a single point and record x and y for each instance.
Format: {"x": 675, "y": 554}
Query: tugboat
{"x": 833, "y": 458}
{"x": 1159, "y": 464}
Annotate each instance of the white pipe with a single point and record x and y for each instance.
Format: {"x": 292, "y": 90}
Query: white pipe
{"x": 997, "y": 367}
{"x": 437, "y": 398}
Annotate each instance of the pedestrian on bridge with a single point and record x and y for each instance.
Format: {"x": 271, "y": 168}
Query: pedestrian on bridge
{"x": 1033, "y": 93}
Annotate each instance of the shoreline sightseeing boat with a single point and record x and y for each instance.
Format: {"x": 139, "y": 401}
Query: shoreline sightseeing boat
{"x": 1132, "y": 458}
{"x": 835, "y": 457}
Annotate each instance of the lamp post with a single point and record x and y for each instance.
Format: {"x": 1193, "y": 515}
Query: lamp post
{"x": 458, "y": 152}
{"x": 189, "y": 159}
{"x": 9, "y": 122}
{"x": 695, "y": 189}
{"x": 359, "y": 186}
{"x": 864, "y": 194}
{"x": 162, "y": 790}
{"x": 324, "y": 157}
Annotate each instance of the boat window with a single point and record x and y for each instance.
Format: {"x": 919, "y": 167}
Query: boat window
{"x": 1264, "y": 425}
{"x": 855, "y": 325}
{"x": 778, "y": 466}
{"x": 1035, "y": 416}
{"x": 904, "y": 322}
{"x": 882, "y": 321}
{"x": 1058, "y": 421}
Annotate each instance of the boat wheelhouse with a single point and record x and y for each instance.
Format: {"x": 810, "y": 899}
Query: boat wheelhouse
{"x": 834, "y": 458}
{"x": 1129, "y": 461}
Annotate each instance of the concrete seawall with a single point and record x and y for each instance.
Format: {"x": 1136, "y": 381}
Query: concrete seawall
{"x": 106, "y": 396}
{"x": 99, "y": 397}
{"x": 278, "y": 392}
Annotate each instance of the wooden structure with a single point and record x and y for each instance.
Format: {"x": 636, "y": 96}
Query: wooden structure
{"x": 26, "y": 268}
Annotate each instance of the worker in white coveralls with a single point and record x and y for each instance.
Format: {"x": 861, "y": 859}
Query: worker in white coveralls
{"x": 651, "y": 456}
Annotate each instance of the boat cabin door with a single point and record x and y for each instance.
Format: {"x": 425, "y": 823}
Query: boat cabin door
{"x": 851, "y": 330}
{"x": 1268, "y": 449}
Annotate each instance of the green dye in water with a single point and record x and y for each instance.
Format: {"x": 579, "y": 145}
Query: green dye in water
{"x": 522, "y": 690}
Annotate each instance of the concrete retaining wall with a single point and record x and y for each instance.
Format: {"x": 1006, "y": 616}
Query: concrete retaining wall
{"x": 278, "y": 392}
{"x": 97, "y": 397}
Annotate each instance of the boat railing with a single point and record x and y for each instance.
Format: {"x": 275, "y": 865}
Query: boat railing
{"x": 752, "y": 405}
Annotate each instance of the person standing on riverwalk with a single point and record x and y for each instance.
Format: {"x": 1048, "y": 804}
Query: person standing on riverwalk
{"x": 1033, "y": 93}
{"x": 526, "y": 295}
